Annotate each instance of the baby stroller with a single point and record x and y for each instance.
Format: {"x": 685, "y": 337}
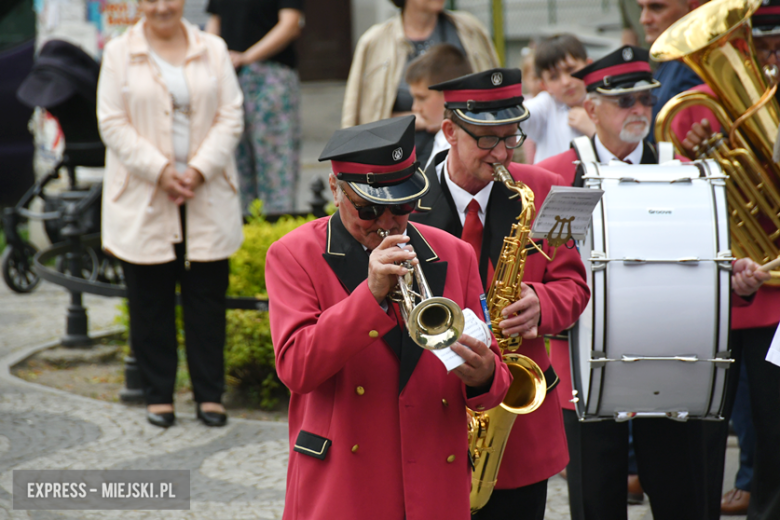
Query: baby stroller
{"x": 64, "y": 82}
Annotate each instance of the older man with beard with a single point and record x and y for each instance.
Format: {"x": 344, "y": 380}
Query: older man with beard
{"x": 671, "y": 456}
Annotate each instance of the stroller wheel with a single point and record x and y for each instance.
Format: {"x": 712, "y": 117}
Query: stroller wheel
{"x": 17, "y": 268}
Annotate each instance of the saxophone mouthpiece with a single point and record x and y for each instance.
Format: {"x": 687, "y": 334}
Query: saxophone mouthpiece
{"x": 501, "y": 174}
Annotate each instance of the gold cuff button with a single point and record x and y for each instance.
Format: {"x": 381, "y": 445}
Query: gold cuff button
{"x": 360, "y": 390}
{"x": 451, "y": 459}
{"x": 444, "y": 402}
{"x": 355, "y": 448}
{"x": 373, "y": 334}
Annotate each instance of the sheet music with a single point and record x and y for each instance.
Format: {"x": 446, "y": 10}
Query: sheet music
{"x": 566, "y": 206}
{"x": 773, "y": 354}
{"x": 474, "y": 327}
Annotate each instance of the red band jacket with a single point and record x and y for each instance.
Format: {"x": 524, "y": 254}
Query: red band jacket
{"x": 537, "y": 448}
{"x": 377, "y": 425}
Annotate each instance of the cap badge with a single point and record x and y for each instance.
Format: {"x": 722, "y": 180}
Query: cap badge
{"x": 497, "y": 78}
{"x": 628, "y": 54}
{"x": 398, "y": 154}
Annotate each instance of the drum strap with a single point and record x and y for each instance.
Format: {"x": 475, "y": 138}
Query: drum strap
{"x": 665, "y": 152}
{"x": 584, "y": 148}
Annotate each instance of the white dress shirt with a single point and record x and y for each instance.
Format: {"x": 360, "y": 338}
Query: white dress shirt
{"x": 461, "y": 197}
{"x": 548, "y": 126}
{"x": 605, "y": 155}
{"x": 440, "y": 144}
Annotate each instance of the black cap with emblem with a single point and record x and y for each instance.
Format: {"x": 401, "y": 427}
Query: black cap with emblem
{"x": 378, "y": 160}
{"x": 622, "y": 71}
{"x": 493, "y": 97}
{"x": 766, "y": 19}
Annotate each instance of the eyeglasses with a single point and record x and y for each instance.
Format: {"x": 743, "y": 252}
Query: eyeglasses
{"x": 488, "y": 142}
{"x": 765, "y": 54}
{"x": 374, "y": 211}
{"x": 628, "y": 100}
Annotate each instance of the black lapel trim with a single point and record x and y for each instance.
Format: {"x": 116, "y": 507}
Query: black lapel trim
{"x": 345, "y": 255}
{"x": 649, "y": 155}
{"x": 435, "y": 272}
{"x": 432, "y": 207}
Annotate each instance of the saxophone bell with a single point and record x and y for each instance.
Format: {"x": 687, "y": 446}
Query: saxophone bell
{"x": 433, "y": 322}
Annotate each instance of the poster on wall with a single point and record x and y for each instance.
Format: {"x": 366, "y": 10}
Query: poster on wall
{"x": 111, "y": 17}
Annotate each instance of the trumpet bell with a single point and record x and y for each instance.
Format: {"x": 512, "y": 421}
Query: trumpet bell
{"x": 528, "y": 388}
{"x": 436, "y": 323}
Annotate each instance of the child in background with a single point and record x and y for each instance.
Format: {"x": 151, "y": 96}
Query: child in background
{"x": 531, "y": 87}
{"x": 442, "y": 62}
{"x": 557, "y": 116}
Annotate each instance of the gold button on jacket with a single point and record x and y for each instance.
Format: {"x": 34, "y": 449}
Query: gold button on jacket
{"x": 451, "y": 459}
{"x": 360, "y": 390}
{"x": 355, "y": 448}
{"x": 373, "y": 334}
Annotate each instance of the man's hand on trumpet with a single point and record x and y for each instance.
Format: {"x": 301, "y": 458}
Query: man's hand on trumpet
{"x": 384, "y": 265}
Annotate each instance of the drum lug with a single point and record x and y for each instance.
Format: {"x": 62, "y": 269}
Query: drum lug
{"x": 724, "y": 259}
{"x": 574, "y": 398}
{"x": 598, "y": 359}
{"x": 723, "y": 359}
{"x": 597, "y": 261}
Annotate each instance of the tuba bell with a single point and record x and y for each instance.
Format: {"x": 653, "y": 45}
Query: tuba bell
{"x": 433, "y": 322}
{"x": 716, "y": 41}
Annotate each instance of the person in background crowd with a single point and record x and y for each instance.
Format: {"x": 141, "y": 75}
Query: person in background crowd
{"x": 376, "y": 88}
{"x": 169, "y": 112}
{"x": 481, "y": 124}
{"x": 260, "y": 36}
{"x": 673, "y": 459}
{"x": 756, "y": 410}
{"x": 532, "y": 87}
{"x": 557, "y": 115}
{"x": 442, "y": 62}
{"x": 377, "y": 424}
{"x": 633, "y": 32}
{"x": 674, "y": 76}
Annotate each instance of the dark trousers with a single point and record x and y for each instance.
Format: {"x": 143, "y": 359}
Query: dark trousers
{"x": 742, "y": 421}
{"x": 750, "y": 346}
{"x": 671, "y": 461}
{"x": 151, "y": 292}
{"x": 525, "y": 503}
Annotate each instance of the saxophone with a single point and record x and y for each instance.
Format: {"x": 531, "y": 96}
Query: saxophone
{"x": 488, "y": 431}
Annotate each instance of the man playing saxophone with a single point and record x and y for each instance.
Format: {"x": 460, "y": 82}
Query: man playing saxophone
{"x": 481, "y": 124}
{"x": 378, "y": 426}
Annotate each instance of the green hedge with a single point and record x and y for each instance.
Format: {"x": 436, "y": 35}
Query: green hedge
{"x": 249, "y": 353}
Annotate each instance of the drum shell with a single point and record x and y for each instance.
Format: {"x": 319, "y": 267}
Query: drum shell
{"x": 654, "y": 308}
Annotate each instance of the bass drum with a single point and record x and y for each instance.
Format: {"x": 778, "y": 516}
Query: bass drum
{"x": 653, "y": 341}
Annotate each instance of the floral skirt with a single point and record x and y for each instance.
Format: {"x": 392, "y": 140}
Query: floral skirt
{"x": 268, "y": 156}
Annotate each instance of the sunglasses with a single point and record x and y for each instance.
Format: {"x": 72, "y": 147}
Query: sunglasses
{"x": 374, "y": 211}
{"x": 628, "y": 101}
{"x": 488, "y": 142}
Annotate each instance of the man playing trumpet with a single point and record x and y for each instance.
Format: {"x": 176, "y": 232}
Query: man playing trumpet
{"x": 377, "y": 425}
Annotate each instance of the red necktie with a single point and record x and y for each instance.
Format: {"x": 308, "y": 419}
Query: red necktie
{"x": 472, "y": 228}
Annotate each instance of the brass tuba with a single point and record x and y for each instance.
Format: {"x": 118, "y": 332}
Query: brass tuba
{"x": 488, "y": 431}
{"x": 434, "y": 322}
{"x": 716, "y": 41}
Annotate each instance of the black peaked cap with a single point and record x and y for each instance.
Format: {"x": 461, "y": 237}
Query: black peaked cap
{"x": 766, "y": 19}
{"x": 625, "y": 70}
{"x": 492, "y": 97}
{"x": 378, "y": 160}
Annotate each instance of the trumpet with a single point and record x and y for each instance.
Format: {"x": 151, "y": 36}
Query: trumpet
{"x": 433, "y": 322}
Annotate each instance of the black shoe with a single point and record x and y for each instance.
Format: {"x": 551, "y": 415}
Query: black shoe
{"x": 163, "y": 420}
{"x": 212, "y": 418}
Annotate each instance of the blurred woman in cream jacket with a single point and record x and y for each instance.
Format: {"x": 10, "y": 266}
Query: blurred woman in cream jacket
{"x": 170, "y": 114}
